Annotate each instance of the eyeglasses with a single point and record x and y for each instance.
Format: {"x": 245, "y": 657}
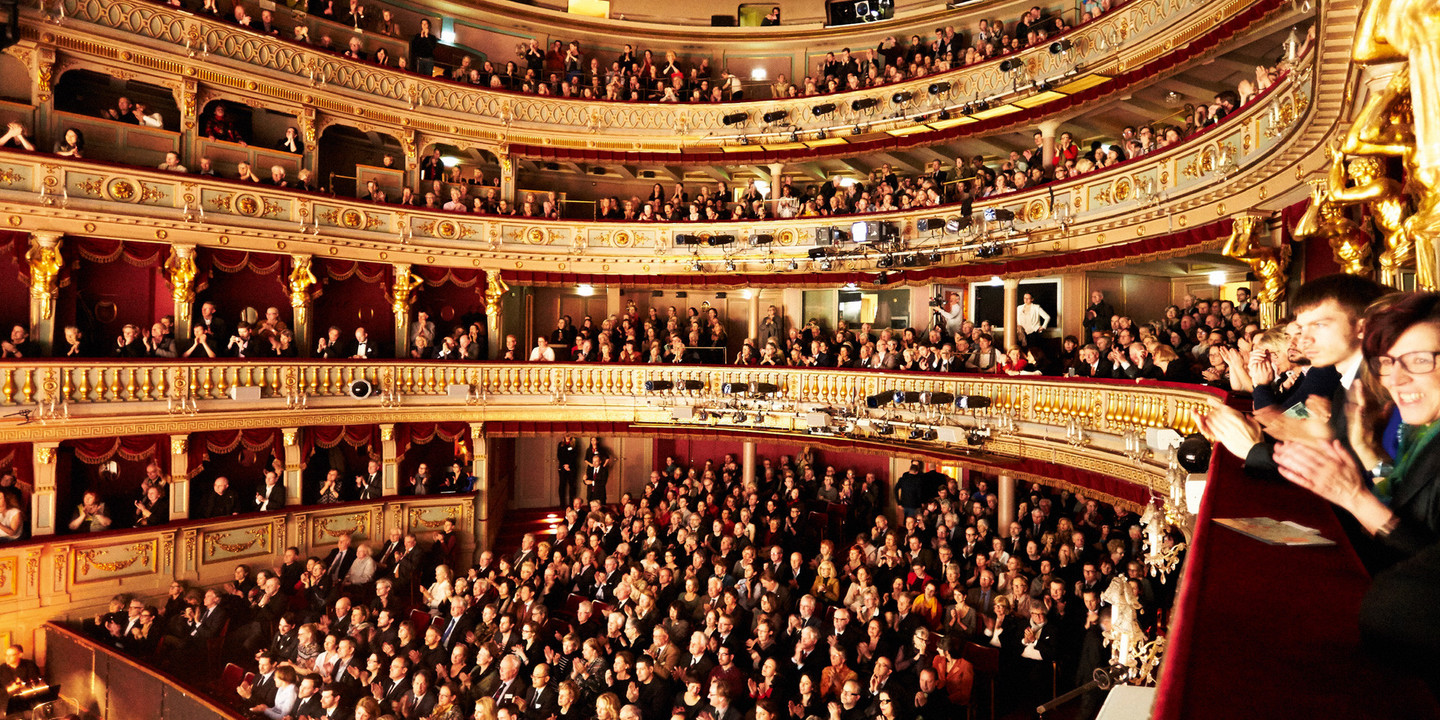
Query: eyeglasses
{"x": 1420, "y": 362}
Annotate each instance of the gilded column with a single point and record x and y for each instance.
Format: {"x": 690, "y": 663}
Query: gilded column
{"x": 401, "y": 294}
{"x": 507, "y": 177}
{"x": 389, "y": 467}
{"x": 45, "y": 262}
{"x": 186, "y": 100}
{"x": 1012, "y": 285}
{"x": 495, "y": 289}
{"x": 179, "y": 475}
{"x": 294, "y": 465}
{"x": 747, "y": 462}
{"x": 302, "y": 278}
{"x": 180, "y": 272}
{"x": 43, "y": 517}
{"x": 777, "y": 170}
{"x": 1006, "y": 510}
{"x": 480, "y": 466}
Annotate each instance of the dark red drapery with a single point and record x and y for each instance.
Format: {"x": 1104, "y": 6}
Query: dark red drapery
{"x": 98, "y": 451}
{"x": 223, "y": 441}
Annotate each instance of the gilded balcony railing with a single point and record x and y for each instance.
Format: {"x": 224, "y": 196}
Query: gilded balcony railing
{"x": 1096, "y": 209}
{"x": 1125, "y": 38}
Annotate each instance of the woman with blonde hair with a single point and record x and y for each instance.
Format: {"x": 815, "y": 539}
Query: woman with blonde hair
{"x": 826, "y": 587}
{"x": 607, "y": 707}
{"x": 440, "y": 592}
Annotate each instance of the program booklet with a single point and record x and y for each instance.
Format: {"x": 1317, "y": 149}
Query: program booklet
{"x": 1275, "y": 532}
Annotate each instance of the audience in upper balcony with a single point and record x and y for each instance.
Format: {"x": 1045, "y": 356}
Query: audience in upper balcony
{"x": 16, "y": 137}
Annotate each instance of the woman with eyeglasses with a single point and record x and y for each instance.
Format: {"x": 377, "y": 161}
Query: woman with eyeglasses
{"x": 1398, "y": 503}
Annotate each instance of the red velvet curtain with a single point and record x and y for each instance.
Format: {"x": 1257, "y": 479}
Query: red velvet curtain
{"x": 407, "y": 434}
{"x": 18, "y": 458}
{"x": 255, "y": 440}
{"x": 98, "y": 451}
{"x": 139, "y": 254}
{"x": 328, "y": 436}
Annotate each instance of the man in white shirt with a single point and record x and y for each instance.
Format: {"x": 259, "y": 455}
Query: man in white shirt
{"x": 542, "y": 352}
{"x": 950, "y": 313}
{"x": 1031, "y": 319}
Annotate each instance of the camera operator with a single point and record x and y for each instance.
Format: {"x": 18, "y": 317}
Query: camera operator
{"x": 949, "y": 312}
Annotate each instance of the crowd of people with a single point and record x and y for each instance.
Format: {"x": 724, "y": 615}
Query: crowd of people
{"x": 565, "y": 69}
{"x": 700, "y": 596}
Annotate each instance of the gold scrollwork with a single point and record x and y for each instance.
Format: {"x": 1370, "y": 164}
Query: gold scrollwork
{"x": 356, "y": 524}
{"x": 257, "y": 536}
{"x": 419, "y": 519}
{"x": 139, "y": 552}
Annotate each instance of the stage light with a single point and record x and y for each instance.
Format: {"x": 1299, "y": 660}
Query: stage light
{"x": 972, "y": 402}
{"x": 762, "y": 239}
{"x": 1059, "y": 46}
{"x": 929, "y": 224}
{"x": 775, "y": 116}
{"x": 823, "y": 110}
{"x": 687, "y": 239}
{"x": 864, "y": 104}
{"x": 735, "y": 118}
{"x": 716, "y": 240}
{"x": 936, "y": 398}
{"x": 660, "y": 385}
{"x": 902, "y": 97}
{"x": 939, "y": 88}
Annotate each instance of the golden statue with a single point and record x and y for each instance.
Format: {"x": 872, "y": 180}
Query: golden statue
{"x": 1326, "y": 220}
{"x": 495, "y": 289}
{"x": 1268, "y": 263}
{"x": 301, "y": 280}
{"x": 405, "y": 284}
{"x": 1387, "y": 207}
{"x": 45, "y": 265}
{"x": 1390, "y": 31}
{"x": 180, "y": 271}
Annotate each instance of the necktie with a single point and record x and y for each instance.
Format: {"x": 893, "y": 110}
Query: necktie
{"x": 448, "y": 629}
{"x": 501, "y": 692}
{"x": 335, "y": 566}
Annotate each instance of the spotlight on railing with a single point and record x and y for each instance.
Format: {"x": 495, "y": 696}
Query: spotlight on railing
{"x": 823, "y": 109}
{"x": 717, "y": 240}
{"x": 1059, "y": 46}
{"x": 1007, "y": 65}
{"x": 929, "y": 224}
{"x": 904, "y": 397}
{"x": 923, "y": 434}
{"x": 864, "y": 104}
{"x": 972, "y": 402}
{"x": 775, "y": 116}
{"x": 936, "y": 398}
{"x": 902, "y": 97}
{"x": 687, "y": 239}
{"x": 939, "y": 88}
{"x": 735, "y": 118}
{"x": 762, "y": 239}
{"x": 957, "y": 223}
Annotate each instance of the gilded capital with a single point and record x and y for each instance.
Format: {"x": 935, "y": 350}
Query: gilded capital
{"x": 302, "y": 278}
{"x": 387, "y": 433}
{"x": 45, "y": 454}
{"x": 180, "y": 272}
{"x": 404, "y": 288}
{"x": 45, "y": 263}
{"x": 179, "y": 444}
{"x": 290, "y": 436}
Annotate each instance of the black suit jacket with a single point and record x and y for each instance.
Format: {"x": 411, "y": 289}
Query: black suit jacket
{"x": 539, "y": 707}
{"x": 272, "y": 497}
{"x": 1103, "y": 369}
{"x": 308, "y": 707}
{"x": 345, "y": 562}
{"x": 370, "y": 350}
{"x": 219, "y": 505}
{"x": 372, "y": 487}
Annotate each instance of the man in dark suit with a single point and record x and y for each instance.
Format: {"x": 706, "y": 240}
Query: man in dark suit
{"x": 1092, "y": 365}
{"x": 511, "y": 686}
{"x": 244, "y": 345}
{"x": 457, "y": 625}
{"x": 365, "y": 348}
{"x": 221, "y": 502}
{"x": 271, "y": 495}
{"x": 339, "y": 560}
{"x": 389, "y": 690}
{"x": 214, "y": 324}
{"x": 567, "y": 462}
{"x": 330, "y": 347}
{"x": 390, "y": 553}
{"x": 407, "y": 568}
{"x": 371, "y": 484}
{"x": 596, "y": 475}
{"x": 307, "y": 703}
{"x": 542, "y": 700}
{"x": 262, "y": 690}
{"x": 420, "y": 700}
{"x": 331, "y": 697}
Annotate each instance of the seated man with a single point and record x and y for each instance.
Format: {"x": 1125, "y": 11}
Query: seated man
{"x": 19, "y": 344}
{"x": 16, "y": 674}
{"x": 277, "y": 177}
